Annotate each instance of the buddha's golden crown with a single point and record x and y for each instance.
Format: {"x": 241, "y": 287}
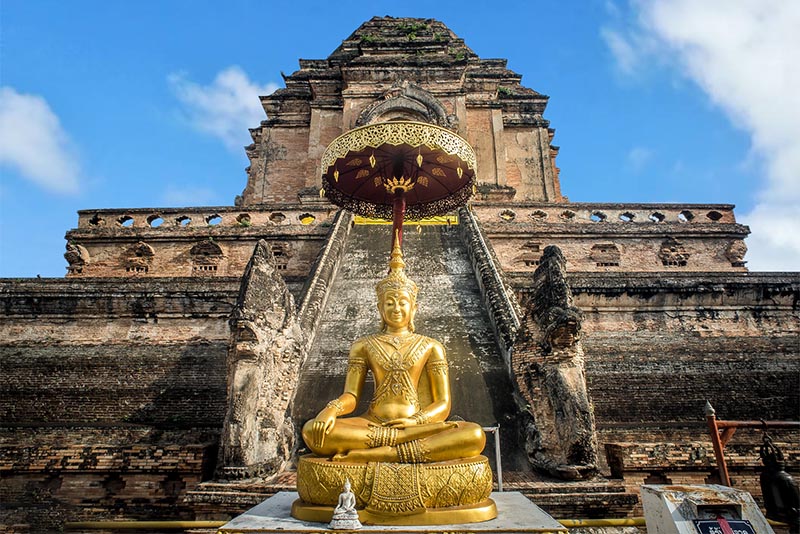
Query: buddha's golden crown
{"x": 397, "y": 279}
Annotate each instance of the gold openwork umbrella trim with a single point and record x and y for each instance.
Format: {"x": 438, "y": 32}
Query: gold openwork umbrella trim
{"x": 414, "y": 212}
{"x": 414, "y": 134}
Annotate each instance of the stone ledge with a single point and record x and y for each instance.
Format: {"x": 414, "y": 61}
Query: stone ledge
{"x": 515, "y": 514}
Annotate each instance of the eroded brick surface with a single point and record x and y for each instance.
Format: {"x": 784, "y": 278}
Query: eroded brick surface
{"x": 114, "y": 381}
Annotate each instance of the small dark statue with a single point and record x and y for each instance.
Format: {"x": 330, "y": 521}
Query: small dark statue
{"x": 780, "y": 491}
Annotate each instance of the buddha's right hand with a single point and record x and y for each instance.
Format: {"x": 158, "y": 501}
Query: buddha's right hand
{"x": 322, "y": 426}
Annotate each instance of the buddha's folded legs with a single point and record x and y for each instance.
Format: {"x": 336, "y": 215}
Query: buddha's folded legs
{"x": 462, "y": 441}
{"x": 417, "y": 444}
{"x": 355, "y": 433}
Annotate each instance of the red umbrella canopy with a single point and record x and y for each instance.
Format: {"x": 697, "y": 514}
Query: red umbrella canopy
{"x": 368, "y": 168}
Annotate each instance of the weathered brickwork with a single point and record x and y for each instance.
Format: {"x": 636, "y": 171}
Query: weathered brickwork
{"x": 692, "y": 462}
{"x": 616, "y": 237}
{"x": 196, "y": 242}
{"x": 115, "y": 383}
{"x": 379, "y": 73}
{"x": 112, "y": 395}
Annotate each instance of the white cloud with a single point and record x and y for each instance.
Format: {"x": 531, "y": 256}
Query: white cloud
{"x": 637, "y": 158}
{"x": 225, "y": 108}
{"x": 623, "y": 50}
{"x": 743, "y": 54}
{"x": 33, "y": 142}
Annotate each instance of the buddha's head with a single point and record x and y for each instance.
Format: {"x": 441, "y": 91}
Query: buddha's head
{"x": 346, "y": 484}
{"x": 397, "y": 295}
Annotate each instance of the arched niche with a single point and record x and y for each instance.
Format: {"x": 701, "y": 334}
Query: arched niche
{"x": 407, "y": 101}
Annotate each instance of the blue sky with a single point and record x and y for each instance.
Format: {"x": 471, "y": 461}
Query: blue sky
{"x": 147, "y": 104}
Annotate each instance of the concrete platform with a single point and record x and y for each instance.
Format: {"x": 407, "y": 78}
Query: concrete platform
{"x": 515, "y": 513}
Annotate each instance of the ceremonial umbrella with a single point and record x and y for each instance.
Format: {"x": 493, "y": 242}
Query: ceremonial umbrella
{"x": 399, "y": 170}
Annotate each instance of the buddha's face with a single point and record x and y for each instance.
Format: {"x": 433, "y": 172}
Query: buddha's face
{"x": 397, "y": 308}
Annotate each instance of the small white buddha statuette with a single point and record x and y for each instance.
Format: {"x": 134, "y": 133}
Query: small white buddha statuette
{"x": 345, "y": 515}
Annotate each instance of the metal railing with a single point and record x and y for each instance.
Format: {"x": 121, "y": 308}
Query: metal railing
{"x": 722, "y": 432}
{"x": 495, "y": 430}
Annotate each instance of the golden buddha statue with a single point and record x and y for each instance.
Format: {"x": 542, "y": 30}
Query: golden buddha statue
{"x": 403, "y": 442}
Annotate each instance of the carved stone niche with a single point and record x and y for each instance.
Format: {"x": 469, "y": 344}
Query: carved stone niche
{"x": 137, "y": 259}
{"x": 735, "y": 253}
{"x": 407, "y": 101}
{"x": 673, "y": 253}
{"x": 206, "y": 257}
{"x": 77, "y": 256}
{"x": 281, "y": 251}
{"x": 605, "y": 255}
{"x": 530, "y": 257}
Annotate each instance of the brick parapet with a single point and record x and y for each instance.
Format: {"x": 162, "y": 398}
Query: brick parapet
{"x": 275, "y": 216}
{"x": 204, "y": 242}
{"x": 546, "y": 213}
{"x": 616, "y": 237}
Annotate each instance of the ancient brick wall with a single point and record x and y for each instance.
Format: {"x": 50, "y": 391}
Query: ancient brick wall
{"x": 409, "y": 69}
{"x": 196, "y": 242}
{"x": 616, "y": 237}
{"x": 112, "y": 395}
{"x": 658, "y": 347}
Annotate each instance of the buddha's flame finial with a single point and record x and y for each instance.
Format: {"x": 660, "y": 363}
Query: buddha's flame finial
{"x": 396, "y": 259}
{"x": 397, "y": 279}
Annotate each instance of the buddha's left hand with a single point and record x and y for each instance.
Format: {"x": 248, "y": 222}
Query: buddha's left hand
{"x": 401, "y": 422}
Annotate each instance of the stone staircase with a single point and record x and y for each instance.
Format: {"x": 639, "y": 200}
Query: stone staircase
{"x": 449, "y": 309}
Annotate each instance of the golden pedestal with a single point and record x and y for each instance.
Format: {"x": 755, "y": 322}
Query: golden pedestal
{"x": 397, "y": 494}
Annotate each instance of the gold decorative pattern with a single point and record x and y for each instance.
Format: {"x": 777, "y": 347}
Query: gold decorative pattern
{"x": 359, "y": 364}
{"x": 396, "y": 488}
{"x": 474, "y": 513}
{"x": 414, "y": 134}
{"x": 421, "y": 418}
{"x": 402, "y": 183}
{"x": 337, "y": 404}
{"x": 382, "y": 436}
{"x": 437, "y": 367}
{"x": 397, "y": 280}
{"x": 396, "y": 364}
{"x": 412, "y": 452}
{"x": 362, "y": 174}
{"x": 438, "y": 171}
{"x": 320, "y": 481}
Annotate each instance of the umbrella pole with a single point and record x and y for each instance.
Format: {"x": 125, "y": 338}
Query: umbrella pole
{"x": 398, "y": 214}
